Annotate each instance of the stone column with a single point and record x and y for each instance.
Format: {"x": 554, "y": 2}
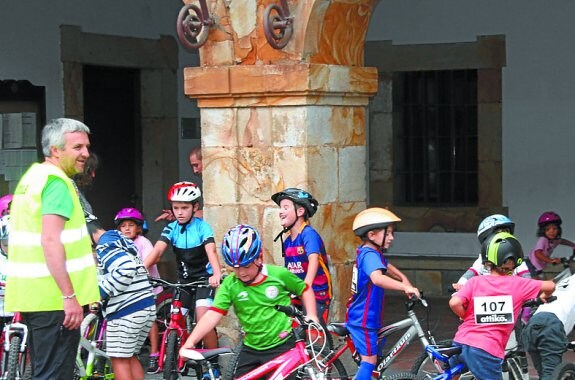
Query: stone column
{"x": 296, "y": 117}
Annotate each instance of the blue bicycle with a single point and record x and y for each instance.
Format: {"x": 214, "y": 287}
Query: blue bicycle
{"x": 435, "y": 363}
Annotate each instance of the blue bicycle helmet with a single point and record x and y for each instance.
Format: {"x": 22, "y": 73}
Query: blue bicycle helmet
{"x": 241, "y": 246}
{"x": 492, "y": 223}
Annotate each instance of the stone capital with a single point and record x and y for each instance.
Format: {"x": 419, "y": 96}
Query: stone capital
{"x": 277, "y": 85}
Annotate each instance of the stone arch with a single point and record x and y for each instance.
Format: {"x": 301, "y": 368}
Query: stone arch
{"x": 325, "y": 32}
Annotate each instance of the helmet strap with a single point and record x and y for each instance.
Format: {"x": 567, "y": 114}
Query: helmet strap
{"x": 380, "y": 247}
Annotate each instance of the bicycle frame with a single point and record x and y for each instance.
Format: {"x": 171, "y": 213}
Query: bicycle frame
{"x": 282, "y": 365}
{"x": 177, "y": 323}
{"x": 92, "y": 347}
{"x": 413, "y": 330}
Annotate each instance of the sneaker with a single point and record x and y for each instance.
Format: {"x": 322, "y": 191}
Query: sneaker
{"x": 216, "y": 373}
{"x": 153, "y": 364}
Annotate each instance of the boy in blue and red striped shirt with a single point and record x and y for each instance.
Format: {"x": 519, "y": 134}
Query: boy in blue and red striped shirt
{"x": 303, "y": 250}
{"x": 372, "y": 273}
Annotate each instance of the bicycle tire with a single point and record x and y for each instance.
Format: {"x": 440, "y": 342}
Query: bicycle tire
{"x": 13, "y": 365}
{"x": 163, "y": 313}
{"x": 400, "y": 376}
{"x": 230, "y": 369}
{"x": 514, "y": 368}
{"x": 565, "y": 371}
{"x": 423, "y": 365}
{"x": 171, "y": 359}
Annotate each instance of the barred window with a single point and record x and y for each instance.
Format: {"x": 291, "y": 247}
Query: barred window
{"x": 435, "y": 138}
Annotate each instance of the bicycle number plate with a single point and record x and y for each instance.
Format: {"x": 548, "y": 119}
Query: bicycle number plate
{"x": 493, "y": 310}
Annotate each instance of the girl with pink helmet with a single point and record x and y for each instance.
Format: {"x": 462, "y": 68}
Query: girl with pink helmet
{"x": 549, "y": 238}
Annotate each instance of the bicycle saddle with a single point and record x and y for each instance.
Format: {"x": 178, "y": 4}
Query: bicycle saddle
{"x": 338, "y": 328}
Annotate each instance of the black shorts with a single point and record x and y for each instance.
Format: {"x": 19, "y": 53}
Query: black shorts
{"x": 203, "y": 296}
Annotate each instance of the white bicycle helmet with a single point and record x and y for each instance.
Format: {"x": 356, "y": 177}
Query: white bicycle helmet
{"x": 373, "y": 218}
{"x": 184, "y": 192}
{"x": 492, "y": 223}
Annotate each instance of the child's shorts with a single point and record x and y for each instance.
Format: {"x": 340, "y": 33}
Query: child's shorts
{"x": 365, "y": 340}
{"x": 125, "y": 336}
{"x": 204, "y": 297}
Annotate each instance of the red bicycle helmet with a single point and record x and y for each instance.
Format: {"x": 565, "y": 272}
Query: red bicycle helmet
{"x": 184, "y": 192}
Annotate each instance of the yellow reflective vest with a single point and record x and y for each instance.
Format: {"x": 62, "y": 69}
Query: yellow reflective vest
{"x": 29, "y": 284}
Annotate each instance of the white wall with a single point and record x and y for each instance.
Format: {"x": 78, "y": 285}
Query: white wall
{"x": 538, "y": 93}
{"x": 30, "y": 39}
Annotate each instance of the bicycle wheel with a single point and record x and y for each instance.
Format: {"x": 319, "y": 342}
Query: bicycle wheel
{"x": 565, "y": 371}
{"x": 12, "y": 366}
{"x": 424, "y": 366}
{"x": 171, "y": 359}
{"x": 336, "y": 369}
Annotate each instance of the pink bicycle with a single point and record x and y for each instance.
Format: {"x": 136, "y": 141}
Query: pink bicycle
{"x": 303, "y": 360}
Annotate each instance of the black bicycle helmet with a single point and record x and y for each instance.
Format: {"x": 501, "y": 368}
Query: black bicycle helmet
{"x": 299, "y": 197}
{"x": 500, "y": 247}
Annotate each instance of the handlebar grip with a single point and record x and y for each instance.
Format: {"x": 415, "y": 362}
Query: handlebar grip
{"x": 289, "y": 310}
{"x": 538, "y": 301}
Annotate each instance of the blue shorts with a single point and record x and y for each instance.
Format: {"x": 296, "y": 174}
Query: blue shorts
{"x": 482, "y": 364}
{"x": 365, "y": 340}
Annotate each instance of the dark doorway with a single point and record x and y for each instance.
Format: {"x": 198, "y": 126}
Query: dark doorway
{"x": 111, "y": 110}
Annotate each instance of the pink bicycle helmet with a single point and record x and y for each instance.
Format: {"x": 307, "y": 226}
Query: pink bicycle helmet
{"x": 129, "y": 214}
{"x": 549, "y": 217}
{"x": 184, "y": 192}
{"x": 5, "y": 204}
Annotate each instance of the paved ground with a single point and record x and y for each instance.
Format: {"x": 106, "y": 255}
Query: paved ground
{"x": 442, "y": 322}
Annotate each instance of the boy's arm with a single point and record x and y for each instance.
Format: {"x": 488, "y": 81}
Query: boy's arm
{"x": 155, "y": 254}
{"x": 313, "y": 264}
{"x": 386, "y": 282}
{"x": 206, "y": 324}
{"x": 308, "y": 300}
{"x": 396, "y": 274}
{"x": 215, "y": 263}
{"x": 457, "y": 306}
{"x": 547, "y": 289}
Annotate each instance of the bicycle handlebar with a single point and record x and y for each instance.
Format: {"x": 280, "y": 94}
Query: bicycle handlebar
{"x": 293, "y": 312}
{"x": 538, "y": 301}
{"x": 200, "y": 283}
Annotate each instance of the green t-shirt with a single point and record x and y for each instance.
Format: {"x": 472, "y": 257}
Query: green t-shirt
{"x": 56, "y": 198}
{"x": 254, "y": 305}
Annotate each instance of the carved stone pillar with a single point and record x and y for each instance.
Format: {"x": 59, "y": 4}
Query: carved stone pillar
{"x": 286, "y": 118}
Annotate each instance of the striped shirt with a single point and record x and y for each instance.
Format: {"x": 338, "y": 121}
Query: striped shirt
{"x": 124, "y": 284}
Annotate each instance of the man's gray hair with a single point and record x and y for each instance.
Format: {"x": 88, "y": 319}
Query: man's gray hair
{"x": 53, "y": 133}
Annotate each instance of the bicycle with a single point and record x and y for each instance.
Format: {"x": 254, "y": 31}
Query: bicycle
{"x": 413, "y": 331}
{"x": 304, "y": 360}
{"x": 568, "y": 268}
{"x": 92, "y": 362}
{"x": 14, "y": 349}
{"x": 435, "y": 362}
{"x": 177, "y": 328}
